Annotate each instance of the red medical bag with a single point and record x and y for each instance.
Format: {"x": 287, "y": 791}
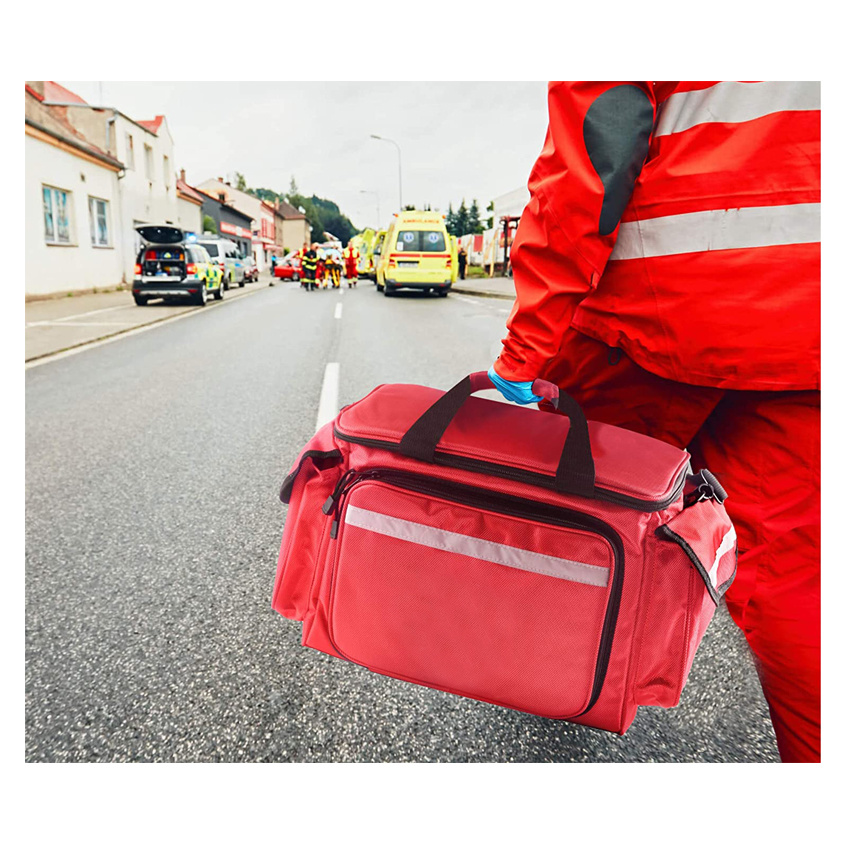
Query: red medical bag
{"x": 545, "y": 563}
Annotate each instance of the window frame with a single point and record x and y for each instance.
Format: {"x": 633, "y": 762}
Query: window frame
{"x": 130, "y": 151}
{"x": 93, "y": 216}
{"x": 54, "y": 238}
{"x": 149, "y": 162}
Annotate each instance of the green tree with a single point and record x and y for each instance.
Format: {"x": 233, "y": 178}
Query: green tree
{"x": 209, "y": 224}
{"x": 241, "y": 185}
{"x": 451, "y": 221}
{"x": 475, "y": 218}
{"x": 462, "y": 226}
{"x": 490, "y": 208}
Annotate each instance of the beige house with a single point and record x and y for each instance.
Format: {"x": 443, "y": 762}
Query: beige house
{"x": 291, "y": 228}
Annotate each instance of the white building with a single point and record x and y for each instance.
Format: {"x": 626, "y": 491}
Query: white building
{"x": 262, "y": 216}
{"x": 72, "y": 207}
{"x": 147, "y": 182}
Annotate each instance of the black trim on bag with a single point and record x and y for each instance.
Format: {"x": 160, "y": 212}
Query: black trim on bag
{"x": 538, "y": 479}
{"x": 527, "y": 509}
{"x": 289, "y": 481}
{"x": 716, "y": 594}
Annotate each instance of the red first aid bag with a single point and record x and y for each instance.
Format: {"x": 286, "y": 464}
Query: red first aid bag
{"x": 545, "y": 563}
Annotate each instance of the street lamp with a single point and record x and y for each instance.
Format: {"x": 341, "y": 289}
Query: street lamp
{"x": 382, "y": 139}
{"x": 377, "y": 204}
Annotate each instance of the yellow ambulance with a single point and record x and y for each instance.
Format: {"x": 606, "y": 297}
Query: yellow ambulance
{"x": 417, "y": 253}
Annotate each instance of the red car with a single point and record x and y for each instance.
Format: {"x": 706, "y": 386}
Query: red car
{"x": 288, "y": 269}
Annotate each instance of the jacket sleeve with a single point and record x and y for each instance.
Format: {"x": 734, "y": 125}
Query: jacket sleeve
{"x": 596, "y": 145}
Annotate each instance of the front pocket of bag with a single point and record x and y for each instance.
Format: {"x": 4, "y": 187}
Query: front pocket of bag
{"x": 471, "y": 601}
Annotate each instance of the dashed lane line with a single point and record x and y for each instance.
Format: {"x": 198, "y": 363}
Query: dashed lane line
{"x": 338, "y": 310}
{"x": 329, "y": 396}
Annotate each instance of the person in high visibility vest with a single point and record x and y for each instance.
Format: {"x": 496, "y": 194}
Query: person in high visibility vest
{"x": 667, "y": 270}
{"x": 351, "y": 257}
{"x": 309, "y": 267}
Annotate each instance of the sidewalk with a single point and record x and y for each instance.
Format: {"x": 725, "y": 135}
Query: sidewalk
{"x": 488, "y": 287}
{"x": 57, "y": 324}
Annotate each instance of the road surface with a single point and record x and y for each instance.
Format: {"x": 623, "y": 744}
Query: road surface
{"x": 153, "y": 526}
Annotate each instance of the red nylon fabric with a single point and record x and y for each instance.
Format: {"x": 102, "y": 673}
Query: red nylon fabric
{"x": 747, "y": 318}
{"x": 765, "y": 449}
{"x": 461, "y": 619}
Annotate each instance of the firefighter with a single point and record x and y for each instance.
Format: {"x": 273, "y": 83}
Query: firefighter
{"x": 667, "y": 270}
{"x": 309, "y": 266}
{"x": 322, "y": 270}
{"x": 351, "y": 257}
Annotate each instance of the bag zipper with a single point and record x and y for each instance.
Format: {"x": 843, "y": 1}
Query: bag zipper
{"x": 539, "y": 479}
{"x": 517, "y": 506}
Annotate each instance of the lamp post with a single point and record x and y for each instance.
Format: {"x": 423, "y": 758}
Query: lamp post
{"x": 377, "y": 204}
{"x": 398, "y": 149}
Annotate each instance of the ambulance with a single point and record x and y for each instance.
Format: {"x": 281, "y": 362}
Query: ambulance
{"x": 417, "y": 254}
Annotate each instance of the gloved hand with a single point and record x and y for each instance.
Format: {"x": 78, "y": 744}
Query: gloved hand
{"x": 518, "y": 391}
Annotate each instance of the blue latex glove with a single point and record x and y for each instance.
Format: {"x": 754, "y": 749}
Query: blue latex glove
{"x": 518, "y": 391}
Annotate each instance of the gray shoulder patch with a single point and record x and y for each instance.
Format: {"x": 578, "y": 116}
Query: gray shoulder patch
{"x": 617, "y": 128}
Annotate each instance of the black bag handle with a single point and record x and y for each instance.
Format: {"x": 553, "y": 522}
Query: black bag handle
{"x": 575, "y": 474}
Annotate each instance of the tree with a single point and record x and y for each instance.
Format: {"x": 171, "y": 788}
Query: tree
{"x": 241, "y": 185}
{"x": 209, "y": 224}
{"x": 462, "y": 227}
{"x": 490, "y": 208}
{"x": 451, "y": 221}
{"x": 293, "y": 186}
{"x": 475, "y": 218}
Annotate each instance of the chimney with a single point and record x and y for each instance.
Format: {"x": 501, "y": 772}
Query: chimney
{"x": 183, "y": 174}
{"x": 219, "y": 180}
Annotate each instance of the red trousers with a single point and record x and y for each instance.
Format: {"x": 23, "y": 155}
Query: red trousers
{"x": 765, "y": 449}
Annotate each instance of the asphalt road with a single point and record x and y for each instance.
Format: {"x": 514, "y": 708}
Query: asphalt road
{"x": 153, "y": 527}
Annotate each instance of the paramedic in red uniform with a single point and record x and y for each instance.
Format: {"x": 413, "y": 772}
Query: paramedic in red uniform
{"x": 667, "y": 270}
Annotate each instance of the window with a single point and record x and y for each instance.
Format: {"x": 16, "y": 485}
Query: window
{"x": 149, "y": 162}
{"x": 165, "y": 176}
{"x": 429, "y": 241}
{"x": 57, "y": 215}
{"x": 130, "y": 155}
{"x": 99, "y": 222}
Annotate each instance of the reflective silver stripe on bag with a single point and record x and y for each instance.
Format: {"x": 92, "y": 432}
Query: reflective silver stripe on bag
{"x": 475, "y": 547}
{"x": 727, "y": 544}
{"x": 718, "y": 230}
{"x": 734, "y": 103}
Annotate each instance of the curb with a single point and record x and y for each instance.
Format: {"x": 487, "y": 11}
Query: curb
{"x": 33, "y": 360}
{"x": 484, "y": 293}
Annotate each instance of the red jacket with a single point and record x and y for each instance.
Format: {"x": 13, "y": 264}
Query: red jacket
{"x": 680, "y": 222}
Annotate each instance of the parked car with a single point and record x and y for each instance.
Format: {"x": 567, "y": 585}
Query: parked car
{"x": 227, "y": 255}
{"x": 250, "y": 272}
{"x": 169, "y": 267}
{"x": 289, "y": 268}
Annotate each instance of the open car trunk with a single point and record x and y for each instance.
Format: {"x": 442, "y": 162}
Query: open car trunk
{"x": 164, "y": 256}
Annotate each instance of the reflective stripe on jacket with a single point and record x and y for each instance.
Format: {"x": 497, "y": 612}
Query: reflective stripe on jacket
{"x": 680, "y": 222}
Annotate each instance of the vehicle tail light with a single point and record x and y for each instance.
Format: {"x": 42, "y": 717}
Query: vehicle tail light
{"x": 138, "y": 268}
{"x": 192, "y": 291}
{"x": 391, "y": 263}
{"x": 448, "y": 264}
{"x": 221, "y": 266}
{"x": 190, "y": 268}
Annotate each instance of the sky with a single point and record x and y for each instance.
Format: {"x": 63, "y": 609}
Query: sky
{"x": 457, "y": 140}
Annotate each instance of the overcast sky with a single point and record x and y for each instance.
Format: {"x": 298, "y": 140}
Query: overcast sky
{"x": 472, "y": 140}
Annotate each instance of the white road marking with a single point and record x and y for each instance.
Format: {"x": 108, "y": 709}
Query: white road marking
{"x": 503, "y": 311}
{"x": 329, "y": 397}
{"x": 338, "y": 310}
{"x": 40, "y": 361}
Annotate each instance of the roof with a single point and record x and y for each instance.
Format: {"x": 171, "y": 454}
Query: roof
{"x": 190, "y": 193}
{"x": 286, "y": 210}
{"x": 152, "y": 126}
{"x": 59, "y": 94}
{"x": 206, "y": 196}
{"x": 52, "y": 121}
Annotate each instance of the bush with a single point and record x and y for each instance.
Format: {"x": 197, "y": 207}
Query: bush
{"x": 209, "y": 224}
